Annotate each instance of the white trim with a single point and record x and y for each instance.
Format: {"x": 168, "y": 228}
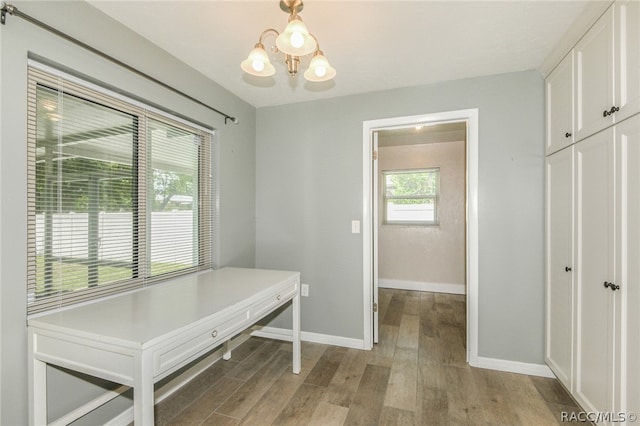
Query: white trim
{"x": 306, "y": 336}
{"x": 422, "y": 286}
{"x": 367, "y": 233}
{"x": 540, "y": 370}
{"x": 471, "y": 116}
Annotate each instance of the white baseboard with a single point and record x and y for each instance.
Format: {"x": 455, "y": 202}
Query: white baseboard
{"x": 306, "y": 336}
{"x": 422, "y": 286}
{"x": 540, "y": 370}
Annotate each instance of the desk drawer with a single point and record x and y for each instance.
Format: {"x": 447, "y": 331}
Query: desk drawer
{"x": 206, "y": 338}
{"x": 268, "y": 304}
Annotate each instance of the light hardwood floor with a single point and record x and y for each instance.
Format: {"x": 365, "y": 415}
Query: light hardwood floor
{"x": 416, "y": 375}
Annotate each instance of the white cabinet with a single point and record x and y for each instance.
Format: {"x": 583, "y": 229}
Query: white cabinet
{"x": 627, "y": 58}
{"x": 627, "y": 136}
{"x": 606, "y": 72}
{"x": 593, "y": 78}
{"x": 559, "y": 106}
{"x": 593, "y": 217}
{"x": 559, "y": 272}
{"x": 594, "y": 266}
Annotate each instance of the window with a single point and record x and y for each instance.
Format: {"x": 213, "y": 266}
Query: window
{"x": 119, "y": 195}
{"x": 411, "y": 196}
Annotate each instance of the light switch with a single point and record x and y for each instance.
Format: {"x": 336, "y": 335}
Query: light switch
{"x": 355, "y": 226}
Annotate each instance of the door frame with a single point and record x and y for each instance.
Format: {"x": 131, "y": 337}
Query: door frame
{"x": 369, "y": 252}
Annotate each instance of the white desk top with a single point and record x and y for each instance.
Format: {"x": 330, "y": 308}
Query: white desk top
{"x": 135, "y": 319}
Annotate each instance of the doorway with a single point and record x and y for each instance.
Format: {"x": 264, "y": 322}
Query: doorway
{"x": 371, "y": 133}
{"x": 421, "y": 207}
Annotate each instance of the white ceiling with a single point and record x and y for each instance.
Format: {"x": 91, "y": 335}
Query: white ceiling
{"x": 374, "y": 45}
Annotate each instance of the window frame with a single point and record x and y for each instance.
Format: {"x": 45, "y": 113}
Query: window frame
{"x": 435, "y": 197}
{"x": 207, "y": 184}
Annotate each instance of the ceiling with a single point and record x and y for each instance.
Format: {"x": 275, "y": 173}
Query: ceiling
{"x": 373, "y": 45}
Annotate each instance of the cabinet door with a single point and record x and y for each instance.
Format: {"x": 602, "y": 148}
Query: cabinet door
{"x": 594, "y": 245}
{"x": 627, "y": 51}
{"x": 559, "y": 98}
{"x": 594, "y": 78}
{"x": 559, "y": 273}
{"x": 628, "y": 263}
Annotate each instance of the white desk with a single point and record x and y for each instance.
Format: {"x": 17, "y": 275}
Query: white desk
{"x": 140, "y": 337}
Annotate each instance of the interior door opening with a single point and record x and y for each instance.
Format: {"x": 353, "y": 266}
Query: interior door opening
{"x": 421, "y": 207}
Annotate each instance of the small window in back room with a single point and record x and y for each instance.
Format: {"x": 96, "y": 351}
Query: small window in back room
{"x": 411, "y": 196}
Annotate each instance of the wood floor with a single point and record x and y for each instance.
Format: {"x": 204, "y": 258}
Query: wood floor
{"x": 416, "y": 375}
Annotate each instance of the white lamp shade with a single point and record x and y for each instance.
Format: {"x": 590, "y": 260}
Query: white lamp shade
{"x": 319, "y": 69}
{"x": 295, "y": 40}
{"x": 258, "y": 64}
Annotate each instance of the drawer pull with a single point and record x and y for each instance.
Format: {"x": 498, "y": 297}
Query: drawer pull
{"x": 214, "y": 333}
{"x": 279, "y": 297}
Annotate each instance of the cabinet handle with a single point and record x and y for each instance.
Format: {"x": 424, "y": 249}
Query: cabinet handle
{"x": 567, "y": 135}
{"x": 214, "y": 333}
{"x": 613, "y": 110}
{"x": 567, "y": 268}
{"x": 612, "y": 286}
{"x": 279, "y": 297}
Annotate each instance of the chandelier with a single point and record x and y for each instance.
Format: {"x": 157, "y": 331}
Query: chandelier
{"x": 294, "y": 42}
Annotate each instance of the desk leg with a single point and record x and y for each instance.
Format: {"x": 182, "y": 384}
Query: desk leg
{"x": 38, "y": 393}
{"x": 226, "y": 347}
{"x": 296, "y": 333}
{"x": 143, "y": 399}
{"x": 37, "y": 372}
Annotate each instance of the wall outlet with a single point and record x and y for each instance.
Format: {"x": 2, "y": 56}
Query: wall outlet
{"x": 304, "y": 290}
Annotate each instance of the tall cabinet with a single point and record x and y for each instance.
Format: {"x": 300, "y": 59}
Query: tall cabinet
{"x": 559, "y": 248}
{"x": 595, "y": 254}
{"x": 593, "y": 216}
{"x": 627, "y": 264}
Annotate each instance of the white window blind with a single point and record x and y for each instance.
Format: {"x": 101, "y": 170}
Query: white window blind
{"x": 118, "y": 196}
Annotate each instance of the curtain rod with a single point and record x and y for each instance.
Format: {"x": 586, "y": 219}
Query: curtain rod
{"x": 12, "y": 10}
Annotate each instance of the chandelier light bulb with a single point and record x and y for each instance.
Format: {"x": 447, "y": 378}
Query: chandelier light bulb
{"x": 319, "y": 69}
{"x": 258, "y": 65}
{"x": 296, "y": 39}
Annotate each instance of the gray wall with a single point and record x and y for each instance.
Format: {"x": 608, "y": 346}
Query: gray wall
{"x": 309, "y": 188}
{"x": 236, "y": 158}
